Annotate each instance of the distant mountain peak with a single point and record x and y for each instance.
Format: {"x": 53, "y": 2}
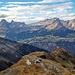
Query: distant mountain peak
{"x": 3, "y": 20}
{"x": 12, "y": 21}
{"x": 55, "y": 18}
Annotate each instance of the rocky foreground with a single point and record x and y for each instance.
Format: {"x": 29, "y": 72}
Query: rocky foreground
{"x": 59, "y": 62}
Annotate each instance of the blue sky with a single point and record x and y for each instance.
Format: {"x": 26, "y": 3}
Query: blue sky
{"x": 30, "y": 11}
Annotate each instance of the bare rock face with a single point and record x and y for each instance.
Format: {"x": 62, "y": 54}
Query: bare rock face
{"x": 41, "y": 63}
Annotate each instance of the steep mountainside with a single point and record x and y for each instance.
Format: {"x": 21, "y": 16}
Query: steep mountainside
{"x": 41, "y": 63}
{"x": 12, "y": 28}
{"x": 69, "y": 24}
{"x": 4, "y": 27}
{"x": 11, "y": 52}
{"x": 63, "y": 56}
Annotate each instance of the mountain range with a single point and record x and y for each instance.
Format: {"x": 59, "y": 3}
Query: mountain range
{"x": 58, "y": 62}
{"x": 46, "y": 34}
{"x": 53, "y": 26}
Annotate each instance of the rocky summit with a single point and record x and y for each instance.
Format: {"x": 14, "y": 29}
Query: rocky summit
{"x": 42, "y": 63}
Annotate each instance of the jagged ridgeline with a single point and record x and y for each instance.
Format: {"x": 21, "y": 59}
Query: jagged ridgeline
{"x": 59, "y": 62}
{"x": 19, "y": 30}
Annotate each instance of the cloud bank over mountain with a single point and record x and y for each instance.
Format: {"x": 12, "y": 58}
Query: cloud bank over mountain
{"x": 28, "y": 11}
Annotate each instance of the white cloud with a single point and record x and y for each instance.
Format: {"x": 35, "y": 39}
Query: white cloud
{"x": 12, "y": 5}
{"x": 69, "y": 16}
{"x": 1, "y": 2}
{"x": 39, "y": 2}
{"x": 51, "y": 1}
{"x": 3, "y": 16}
{"x": 35, "y": 11}
{"x": 40, "y": 8}
{"x": 20, "y": 3}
